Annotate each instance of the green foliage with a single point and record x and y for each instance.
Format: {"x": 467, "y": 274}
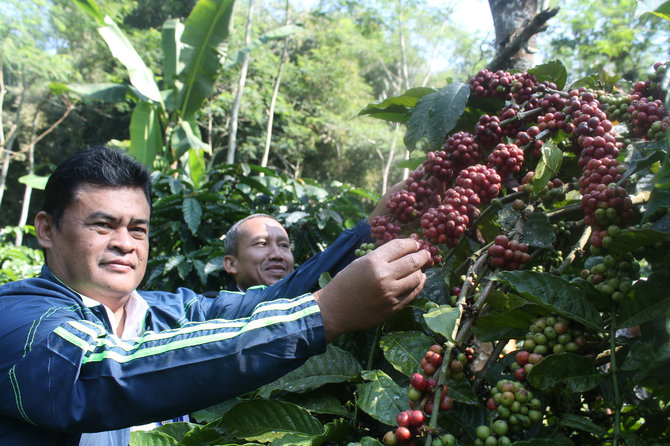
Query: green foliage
{"x": 575, "y": 372}
{"x": 265, "y": 420}
{"x": 555, "y": 294}
{"x": 398, "y": 108}
{"x": 436, "y": 114}
{"x": 381, "y": 397}
{"x": 334, "y": 366}
{"x": 19, "y": 262}
{"x": 405, "y": 349}
{"x": 592, "y": 37}
{"x": 192, "y": 64}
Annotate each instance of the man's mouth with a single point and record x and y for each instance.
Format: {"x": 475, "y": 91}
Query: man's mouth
{"x": 121, "y": 265}
{"x": 276, "y": 269}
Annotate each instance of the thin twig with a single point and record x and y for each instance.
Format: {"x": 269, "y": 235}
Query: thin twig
{"x": 564, "y": 210}
{"x": 522, "y": 115}
{"x": 576, "y": 250}
{"x": 464, "y": 328}
{"x": 489, "y": 363}
{"x": 615, "y": 385}
{"x": 69, "y": 107}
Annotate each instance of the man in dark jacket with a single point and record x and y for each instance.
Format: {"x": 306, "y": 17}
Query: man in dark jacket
{"x": 82, "y": 350}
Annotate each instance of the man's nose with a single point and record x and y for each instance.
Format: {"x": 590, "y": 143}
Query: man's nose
{"x": 275, "y": 251}
{"x": 122, "y": 240}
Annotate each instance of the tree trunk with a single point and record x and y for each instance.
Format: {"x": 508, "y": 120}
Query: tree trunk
{"x": 510, "y": 16}
{"x": 31, "y": 162}
{"x": 433, "y": 54}
{"x": 404, "y": 69}
{"x": 3, "y": 92}
{"x": 25, "y": 207}
{"x": 8, "y": 145}
{"x": 516, "y": 23}
{"x": 5, "y": 154}
{"x": 386, "y": 168}
{"x": 232, "y": 137}
{"x": 275, "y": 93}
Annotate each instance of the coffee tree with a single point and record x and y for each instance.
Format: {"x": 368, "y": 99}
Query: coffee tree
{"x": 545, "y": 211}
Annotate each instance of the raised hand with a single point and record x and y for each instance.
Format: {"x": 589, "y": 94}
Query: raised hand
{"x": 373, "y": 287}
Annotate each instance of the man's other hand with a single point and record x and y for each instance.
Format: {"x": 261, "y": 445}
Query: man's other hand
{"x": 373, "y": 288}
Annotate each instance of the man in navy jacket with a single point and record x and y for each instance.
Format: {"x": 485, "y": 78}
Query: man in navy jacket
{"x": 82, "y": 350}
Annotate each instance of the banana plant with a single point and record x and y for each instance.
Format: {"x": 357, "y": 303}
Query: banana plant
{"x": 163, "y": 120}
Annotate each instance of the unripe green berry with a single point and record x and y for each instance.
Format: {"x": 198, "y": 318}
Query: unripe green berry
{"x": 483, "y": 432}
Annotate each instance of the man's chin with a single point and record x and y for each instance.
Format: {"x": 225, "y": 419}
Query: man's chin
{"x": 271, "y": 280}
{"x": 118, "y": 285}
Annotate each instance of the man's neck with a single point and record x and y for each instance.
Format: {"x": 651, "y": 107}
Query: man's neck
{"x": 119, "y": 322}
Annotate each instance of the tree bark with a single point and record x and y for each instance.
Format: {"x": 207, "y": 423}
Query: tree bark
{"x": 232, "y": 137}
{"x": 386, "y": 167}
{"x": 8, "y": 145}
{"x": 27, "y": 193}
{"x": 433, "y": 54}
{"x": 516, "y": 24}
{"x": 5, "y": 155}
{"x": 3, "y": 92}
{"x": 403, "y": 69}
{"x": 275, "y": 93}
{"x": 31, "y": 163}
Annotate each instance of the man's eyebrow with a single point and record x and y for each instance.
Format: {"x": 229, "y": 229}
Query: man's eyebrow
{"x": 139, "y": 221}
{"x": 255, "y": 238}
{"x": 105, "y": 216}
{"x": 101, "y": 215}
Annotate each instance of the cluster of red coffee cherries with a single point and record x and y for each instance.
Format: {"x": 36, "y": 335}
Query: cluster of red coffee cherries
{"x": 508, "y": 254}
{"x": 442, "y": 197}
{"x": 484, "y": 183}
{"x": 504, "y": 85}
{"x": 444, "y": 211}
{"x": 646, "y": 113}
{"x": 421, "y": 394}
{"x": 506, "y": 158}
{"x": 603, "y": 201}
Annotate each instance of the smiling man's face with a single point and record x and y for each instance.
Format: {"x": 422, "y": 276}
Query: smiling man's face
{"x": 100, "y": 249}
{"x": 263, "y": 253}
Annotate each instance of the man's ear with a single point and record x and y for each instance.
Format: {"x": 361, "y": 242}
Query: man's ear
{"x": 230, "y": 264}
{"x": 44, "y": 229}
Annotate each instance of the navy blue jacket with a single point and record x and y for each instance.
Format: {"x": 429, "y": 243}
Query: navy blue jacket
{"x": 64, "y": 372}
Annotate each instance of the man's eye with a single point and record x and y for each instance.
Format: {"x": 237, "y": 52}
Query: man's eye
{"x": 102, "y": 224}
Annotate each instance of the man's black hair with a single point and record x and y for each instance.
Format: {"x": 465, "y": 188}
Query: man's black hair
{"x": 101, "y": 166}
